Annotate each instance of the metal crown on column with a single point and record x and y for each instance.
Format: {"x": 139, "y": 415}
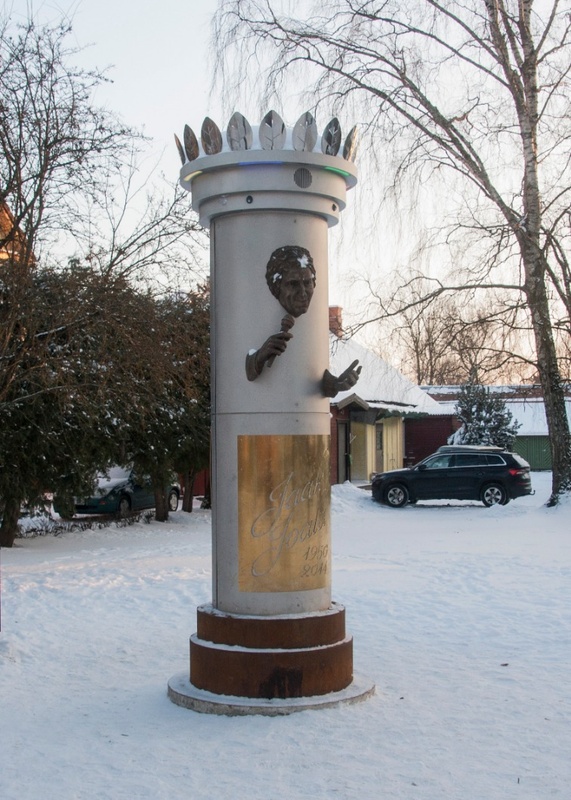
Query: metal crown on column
{"x": 272, "y": 633}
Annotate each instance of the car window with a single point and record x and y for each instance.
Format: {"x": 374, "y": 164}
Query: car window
{"x": 495, "y": 461}
{"x": 470, "y": 460}
{"x": 438, "y": 462}
{"x": 115, "y": 473}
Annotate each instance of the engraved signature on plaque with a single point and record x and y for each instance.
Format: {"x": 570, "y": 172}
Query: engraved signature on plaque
{"x": 277, "y": 526}
{"x": 283, "y": 513}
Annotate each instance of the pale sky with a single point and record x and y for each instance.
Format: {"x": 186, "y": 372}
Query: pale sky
{"x": 157, "y": 52}
{"x": 159, "y": 56}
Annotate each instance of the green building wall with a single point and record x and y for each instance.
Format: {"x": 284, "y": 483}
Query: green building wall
{"x": 535, "y": 450}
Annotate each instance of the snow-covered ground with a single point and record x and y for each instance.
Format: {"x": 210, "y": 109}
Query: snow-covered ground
{"x": 461, "y": 615}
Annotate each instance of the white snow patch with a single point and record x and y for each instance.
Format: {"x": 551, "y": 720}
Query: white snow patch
{"x": 460, "y": 615}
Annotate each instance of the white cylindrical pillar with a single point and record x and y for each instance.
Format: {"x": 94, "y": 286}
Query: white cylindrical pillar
{"x": 272, "y": 629}
{"x": 270, "y": 459}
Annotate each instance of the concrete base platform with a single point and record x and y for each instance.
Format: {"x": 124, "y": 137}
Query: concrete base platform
{"x": 183, "y": 693}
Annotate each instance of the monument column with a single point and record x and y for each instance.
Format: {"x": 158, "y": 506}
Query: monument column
{"x": 272, "y": 631}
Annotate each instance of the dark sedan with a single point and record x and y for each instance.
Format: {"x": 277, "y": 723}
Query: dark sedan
{"x": 119, "y": 491}
{"x": 457, "y": 472}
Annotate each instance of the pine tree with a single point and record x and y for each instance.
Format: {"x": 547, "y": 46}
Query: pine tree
{"x": 485, "y": 418}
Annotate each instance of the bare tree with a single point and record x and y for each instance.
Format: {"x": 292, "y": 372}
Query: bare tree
{"x": 54, "y": 143}
{"x": 441, "y": 341}
{"x": 70, "y": 172}
{"x": 472, "y": 93}
{"x": 136, "y": 226}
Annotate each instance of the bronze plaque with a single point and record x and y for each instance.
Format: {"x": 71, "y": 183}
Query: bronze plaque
{"x": 284, "y": 497}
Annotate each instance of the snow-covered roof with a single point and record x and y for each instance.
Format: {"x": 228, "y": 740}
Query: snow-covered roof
{"x": 380, "y": 386}
{"x": 529, "y": 412}
{"x": 521, "y": 391}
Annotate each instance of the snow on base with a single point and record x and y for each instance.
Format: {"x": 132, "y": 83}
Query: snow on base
{"x": 183, "y": 693}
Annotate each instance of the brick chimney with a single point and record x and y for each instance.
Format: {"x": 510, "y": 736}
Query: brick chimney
{"x": 336, "y": 320}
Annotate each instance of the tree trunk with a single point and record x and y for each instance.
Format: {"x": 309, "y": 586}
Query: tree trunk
{"x": 549, "y": 374}
{"x": 9, "y": 526}
{"x": 553, "y": 394}
{"x": 161, "y": 504}
{"x": 188, "y": 488}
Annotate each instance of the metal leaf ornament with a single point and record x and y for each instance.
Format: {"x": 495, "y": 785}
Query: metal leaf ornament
{"x": 210, "y": 137}
{"x": 180, "y": 149}
{"x": 190, "y": 144}
{"x": 239, "y": 132}
{"x": 350, "y": 147}
{"x": 305, "y": 132}
{"x": 272, "y": 132}
{"x": 331, "y": 139}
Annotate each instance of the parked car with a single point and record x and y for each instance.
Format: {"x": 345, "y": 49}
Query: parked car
{"x": 456, "y": 472}
{"x": 119, "y": 491}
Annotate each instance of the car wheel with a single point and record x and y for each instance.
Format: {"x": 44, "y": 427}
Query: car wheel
{"x": 493, "y": 494}
{"x": 173, "y": 500}
{"x": 124, "y": 508}
{"x": 396, "y": 495}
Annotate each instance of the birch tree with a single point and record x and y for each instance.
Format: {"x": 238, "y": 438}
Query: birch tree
{"x": 472, "y": 95}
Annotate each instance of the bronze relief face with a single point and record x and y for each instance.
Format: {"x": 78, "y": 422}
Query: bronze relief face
{"x": 290, "y": 274}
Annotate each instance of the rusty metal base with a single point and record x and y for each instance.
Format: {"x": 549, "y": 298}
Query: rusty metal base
{"x": 264, "y": 659}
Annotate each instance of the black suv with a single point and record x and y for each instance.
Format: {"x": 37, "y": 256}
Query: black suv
{"x": 456, "y": 472}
